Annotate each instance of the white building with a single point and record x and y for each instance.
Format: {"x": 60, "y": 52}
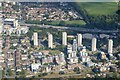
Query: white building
{"x": 24, "y": 57}
{"x": 50, "y": 59}
{"x": 90, "y": 63}
{"x": 35, "y": 38}
{"x": 79, "y": 39}
{"x": 74, "y": 48}
{"x": 61, "y": 58}
{"x": 35, "y": 67}
{"x": 0, "y": 4}
{"x": 12, "y": 22}
{"x": 72, "y": 58}
{"x": 69, "y": 48}
{"x": 102, "y": 55}
{"x": 44, "y": 60}
{"x": 22, "y": 29}
{"x": 74, "y": 54}
{"x": 94, "y": 42}
{"x": 83, "y": 52}
{"x": 110, "y": 46}
{"x": 64, "y": 38}
{"x": 50, "y": 40}
{"x": 84, "y": 55}
{"x": 18, "y": 31}
{"x": 85, "y": 59}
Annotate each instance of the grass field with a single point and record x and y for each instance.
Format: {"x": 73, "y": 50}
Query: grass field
{"x": 53, "y": 52}
{"x": 56, "y": 23}
{"x": 77, "y": 22}
{"x": 99, "y": 8}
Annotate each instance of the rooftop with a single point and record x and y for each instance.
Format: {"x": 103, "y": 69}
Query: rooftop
{"x": 8, "y": 19}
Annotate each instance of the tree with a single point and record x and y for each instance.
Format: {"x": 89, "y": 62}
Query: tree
{"x": 22, "y": 73}
{"x": 44, "y": 74}
{"x": 61, "y": 48}
{"x": 40, "y": 75}
{"x": 77, "y": 70}
{"x": 13, "y": 47}
{"x": 61, "y": 72}
{"x": 62, "y": 23}
{"x": 118, "y": 12}
{"x": 96, "y": 70}
{"x": 9, "y": 72}
{"x": 29, "y": 56}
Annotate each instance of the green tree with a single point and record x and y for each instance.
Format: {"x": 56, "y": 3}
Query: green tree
{"x": 62, "y": 23}
{"x": 77, "y": 70}
{"x": 40, "y": 75}
{"x": 61, "y": 72}
{"x": 22, "y": 73}
{"x": 9, "y": 72}
{"x": 44, "y": 74}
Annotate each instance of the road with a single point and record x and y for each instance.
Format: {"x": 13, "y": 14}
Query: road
{"x": 73, "y": 28}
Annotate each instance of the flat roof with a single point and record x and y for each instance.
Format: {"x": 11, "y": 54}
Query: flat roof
{"x": 8, "y": 19}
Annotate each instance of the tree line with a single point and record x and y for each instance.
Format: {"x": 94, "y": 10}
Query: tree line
{"x": 97, "y": 21}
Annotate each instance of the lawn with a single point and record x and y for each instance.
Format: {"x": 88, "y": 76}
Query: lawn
{"x": 76, "y": 22}
{"x": 53, "y": 52}
{"x": 99, "y": 8}
{"x": 56, "y": 23}
{"x": 79, "y": 22}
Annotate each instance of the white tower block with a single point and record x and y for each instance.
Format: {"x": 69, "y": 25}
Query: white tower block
{"x": 110, "y": 46}
{"x": 35, "y": 37}
{"x": 64, "y": 38}
{"x": 94, "y": 42}
{"x": 50, "y": 40}
{"x": 79, "y": 39}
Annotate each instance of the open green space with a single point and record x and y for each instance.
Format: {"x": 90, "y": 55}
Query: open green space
{"x": 75, "y": 22}
{"x": 59, "y": 23}
{"x": 53, "y": 52}
{"x": 99, "y": 8}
